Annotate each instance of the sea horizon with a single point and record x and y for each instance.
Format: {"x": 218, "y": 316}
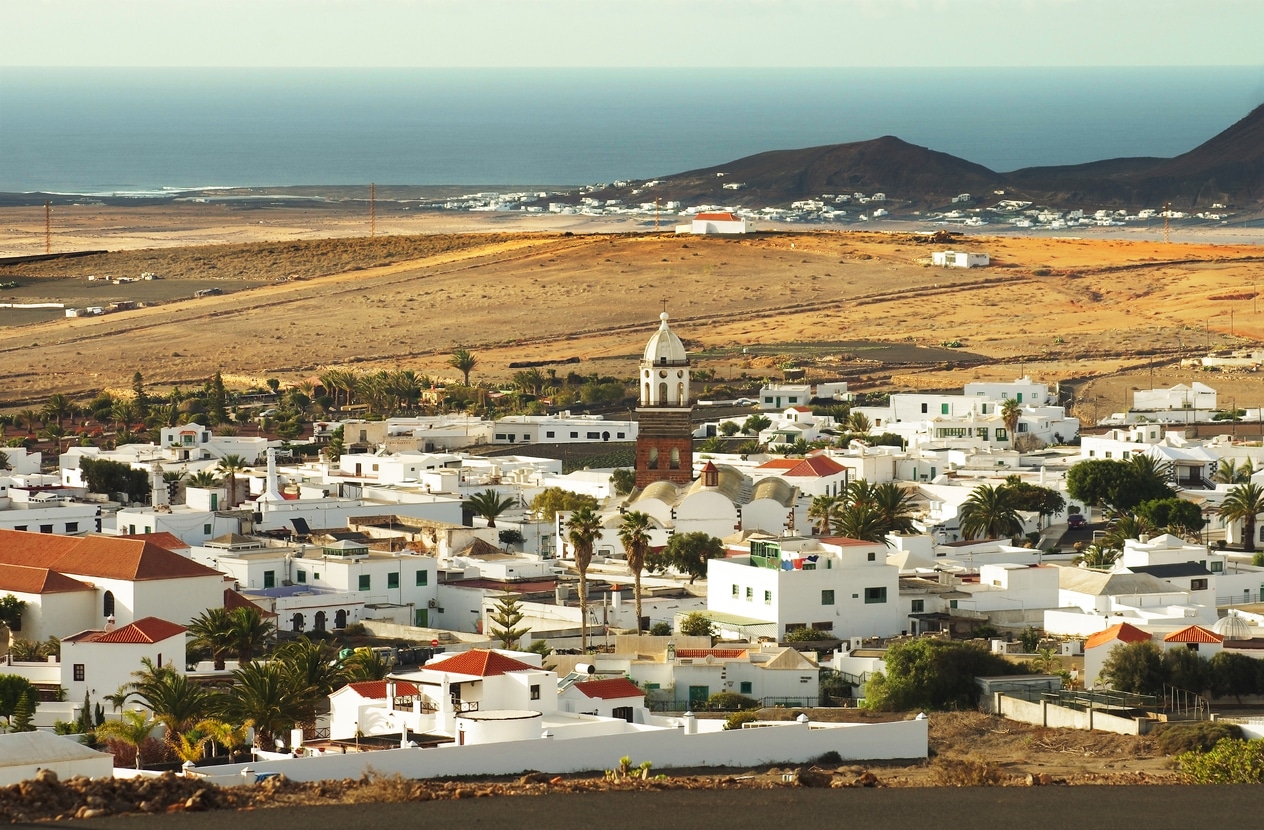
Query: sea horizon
{"x": 149, "y": 131}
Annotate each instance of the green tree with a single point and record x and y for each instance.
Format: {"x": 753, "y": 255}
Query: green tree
{"x": 228, "y": 467}
{"x": 1120, "y": 485}
{"x": 24, "y": 714}
{"x": 858, "y": 422}
{"x": 1011, "y": 411}
{"x": 1177, "y": 515}
{"x": 315, "y": 663}
{"x": 365, "y": 664}
{"x": 218, "y": 409}
{"x": 1187, "y": 670}
{"x": 730, "y": 428}
{"x": 862, "y": 521}
{"x": 58, "y": 407}
{"x": 582, "y": 530}
{"x": 1135, "y": 667}
{"x": 1033, "y": 499}
{"x": 175, "y": 701}
{"x": 269, "y": 697}
{"x": 1243, "y": 504}
{"x": 1097, "y": 557}
{"x": 1230, "y": 761}
{"x": 634, "y": 533}
{"x": 464, "y": 362}
{"x": 503, "y": 620}
{"x": 624, "y": 481}
{"x": 488, "y": 504}
{"x": 203, "y": 479}
{"x": 108, "y": 477}
{"x": 822, "y": 511}
{"x": 895, "y": 505}
{"x": 1233, "y": 674}
{"x": 11, "y": 610}
{"x": 1124, "y": 528}
{"x": 213, "y": 629}
{"x": 755, "y": 424}
{"x": 133, "y": 729}
{"x": 697, "y": 624}
{"x": 250, "y": 630}
{"x": 140, "y": 400}
{"x": 688, "y": 553}
{"x": 553, "y": 500}
{"x": 1228, "y": 472}
{"x": 12, "y": 689}
{"x": 989, "y": 512}
{"x": 934, "y": 674}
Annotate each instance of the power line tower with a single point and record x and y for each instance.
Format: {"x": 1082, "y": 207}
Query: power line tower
{"x": 372, "y": 209}
{"x": 1167, "y": 222}
{"x": 48, "y": 227}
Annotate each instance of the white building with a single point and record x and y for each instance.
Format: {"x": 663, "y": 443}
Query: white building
{"x": 1194, "y": 396}
{"x": 97, "y": 662}
{"x": 841, "y": 586}
{"x": 562, "y": 428}
{"x": 959, "y": 259}
{"x": 716, "y": 223}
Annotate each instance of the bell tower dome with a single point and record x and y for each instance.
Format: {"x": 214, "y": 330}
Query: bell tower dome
{"x": 664, "y": 444}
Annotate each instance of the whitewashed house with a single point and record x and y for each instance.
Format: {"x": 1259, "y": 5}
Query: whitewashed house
{"x": 717, "y": 223}
{"x": 98, "y": 661}
{"x": 959, "y": 259}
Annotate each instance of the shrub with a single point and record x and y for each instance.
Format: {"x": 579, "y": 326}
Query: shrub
{"x": 807, "y": 635}
{"x": 661, "y": 629}
{"x": 731, "y": 700}
{"x": 697, "y": 624}
{"x": 1176, "y": 738}
{"x": 735, "y": 720}
{"x": 1229, "y": 762}
{"x": 965, "y": 772}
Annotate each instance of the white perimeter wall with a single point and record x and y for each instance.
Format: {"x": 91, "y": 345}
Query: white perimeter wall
{"x": 781, "y": 743}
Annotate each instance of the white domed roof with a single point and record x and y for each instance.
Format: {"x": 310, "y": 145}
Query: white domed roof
{"x": 665, "y": 344}
{"x": 1232, "y": 627}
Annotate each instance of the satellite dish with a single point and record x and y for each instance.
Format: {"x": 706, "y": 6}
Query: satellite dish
{"x": 710, "y": 659}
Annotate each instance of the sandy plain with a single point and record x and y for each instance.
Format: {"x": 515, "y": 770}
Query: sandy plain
{"x": 1101, "y": 312}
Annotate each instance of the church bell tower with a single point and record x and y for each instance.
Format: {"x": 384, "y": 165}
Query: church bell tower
{"x": 664, "y": 441}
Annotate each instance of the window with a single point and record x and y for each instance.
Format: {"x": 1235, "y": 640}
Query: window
{"x": 365, "y": 582}
{"x": 535, "y": 691}
{"x": 873, "y": 557}
{"x": 550, "y": 434}
{"x": 1198, "y": 585}
{"x": 301, "y": 577}
{"x": 874, "y": 595}
{"x": 919, "y": 605}
{"x": 19, "y": 527}
{"x": 925, "y": 408}
{"x": 46, "y": 528}
{"x": 79, "y": 672}
{"x": 827, "y": 597}
{"x": 675, "y": 459}
{"x": 107, "y": 604}
{"x": 750, "y": 594}
{"x": 423, "y": 579}
{"x": 621, "y": 435}
{"x": 269, "y": 579}
{"x": 591, "y": 436}
{"x": 952, "y": 603}
{"x": 735, "y": 590}
{"x": 206, "y": 530}
{"x": 943, "y": 409}
{"x": 574, "y": 434}
{"x": 767, "y": 597}
{"x": 794, "y": 399}
{"x": 768, "y": 399}
{"x": 1002, "y": 435}
{"x": 1217, "y": 567}
{"x": 983, "y": 407}
{"x": 392, "y": 580}
{"x": 72, "y": 527}
{"x": 653, "y": 458}
{"x": 745, "y": 687}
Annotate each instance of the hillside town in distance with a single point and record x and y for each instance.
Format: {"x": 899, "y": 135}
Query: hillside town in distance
{"x": 407, "y": 577}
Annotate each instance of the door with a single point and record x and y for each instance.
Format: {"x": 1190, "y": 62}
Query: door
{"x": 340, "y": 618}
{"x": 698, "y": 695}
{"x": 320, "y": 621}
{"x": 624, "y": 712}
{"x": 421, "y": 618}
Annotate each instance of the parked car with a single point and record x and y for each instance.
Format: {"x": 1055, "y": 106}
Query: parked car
{"x": 1076, "y": 521}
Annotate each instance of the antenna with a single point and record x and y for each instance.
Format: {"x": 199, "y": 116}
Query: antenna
{"x": 48, "y": 227}
{"x": 372, "y": 209}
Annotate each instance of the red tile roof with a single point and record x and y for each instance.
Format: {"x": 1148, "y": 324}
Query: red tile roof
{"x": 717, "y": 217}
{"x": 480, "y": 663}
{"x": 148, "y": 630}
{"x": 612, "y": 689}
{"x": 718, "y": 653}
{"x": 23, "y": 579}
{"x": 164, "y": 540}
{"x": 1193, "y": 634}
{"x": 816, "y": 466}
{"x": 376, "y": 689}
{"x": 1123, "y": 632}
{"x": 845, "y": 541}
{"x": 234, "y": 600}
{"x": 801, "y": 408}
{"x": 106, "y": 557}
{"x": 779, "y": 464}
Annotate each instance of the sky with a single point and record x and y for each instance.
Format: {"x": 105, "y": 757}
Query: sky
{"x": 631, "y": 33}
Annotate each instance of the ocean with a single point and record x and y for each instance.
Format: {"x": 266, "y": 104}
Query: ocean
{"x": 97, "y": 131}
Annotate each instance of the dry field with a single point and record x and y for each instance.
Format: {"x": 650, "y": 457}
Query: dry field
{"x": 1058, "y": 309}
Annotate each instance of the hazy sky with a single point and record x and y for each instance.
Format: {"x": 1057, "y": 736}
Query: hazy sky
{"x": 631, "y": 33}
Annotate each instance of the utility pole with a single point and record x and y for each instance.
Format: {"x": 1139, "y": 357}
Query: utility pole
{"x": 372, "y": 209}
{"x": 48, "y": 227}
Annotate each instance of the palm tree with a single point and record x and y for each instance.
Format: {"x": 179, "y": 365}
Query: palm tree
{"x": 224, "y": 734}
{"x": 314, "y": 664}
{"x": 582, "y": 530}
{"x": 859, "y": 492}
{"x": 464, "y": 362}
{"x": 134, "y": 729}
{"x": 1243, "y": 503}
{"x": 30, "y": 417}
{"x": 203, "y": 478}
{"x": 123, "y": 413}
{"x": 822, "y": 511}
{"x": 1011, "y": 410}
{"x": 405, "y": 386}
{"x": 634, "y": 533}
{"x": 5, "y": 464}
{"x": 175, "y": 702}
{"x": 799, "y": 447}
{"x": 1097, "y": 557}
{"x": 57, "y": 407}
{"x": 895, "y": 505}
{"x": 529, "y": 381}
{"x": 250, "y": 630}
{"x": 1153, "y": 475}
{"x": 268, "y": 697}
{"x": 488, "y": 504}
{"x": 365, "y": 664}
{"x": 862, "y": 521}
{"x": 1125, "y": 527}
{"x": 229, "y": 466}
{"x": 988, "y": 512}
{"x": 172, "y": 479}
{"x": 213, "y": 629}
{"x": 1228, "y": 472}
{"x": 859, "y": 422}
